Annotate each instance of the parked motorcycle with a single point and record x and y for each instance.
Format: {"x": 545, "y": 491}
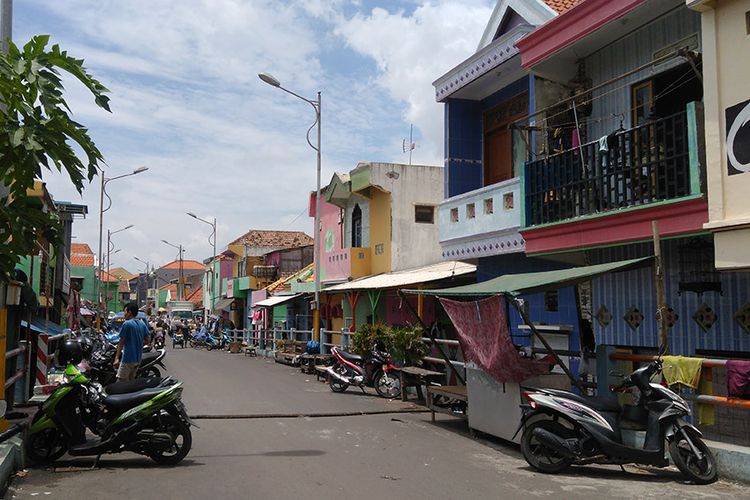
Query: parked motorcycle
{"x": 561, "y": 429}
{"x": 99, "y": 355}
{"x": 375, "y": 370}
{"x": 145, "y": 416}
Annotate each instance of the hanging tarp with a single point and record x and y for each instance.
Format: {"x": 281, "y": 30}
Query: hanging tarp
{"x": 483, "y": 334}
{"x": 516, "y": 284}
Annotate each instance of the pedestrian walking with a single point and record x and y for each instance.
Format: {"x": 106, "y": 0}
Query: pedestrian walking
{"x": 133, "y": 336}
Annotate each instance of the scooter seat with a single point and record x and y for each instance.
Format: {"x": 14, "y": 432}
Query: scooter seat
{"x": 131, "y": 386}
{"x": 149, "y": 356}
{"x": 597, "y": 403}
{"x": 350, "y": 357}
{"x": 121, "y": 402}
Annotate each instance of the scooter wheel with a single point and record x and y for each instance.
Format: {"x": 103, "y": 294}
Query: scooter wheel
{"x": 47, "y": 445}
{"x": 702, "y": 471}
{"x": 183, "y": 440}
{"x": 539, "y": 456}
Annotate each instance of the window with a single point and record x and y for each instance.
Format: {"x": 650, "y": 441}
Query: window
{"x": 454, "y": 214}
{"x": 379, "y": 249}
{"x": 551, "y": 301}
{"x": 488, "y": 206}
{"x": 424, "y": 214}
{"x": 357, "y": 227}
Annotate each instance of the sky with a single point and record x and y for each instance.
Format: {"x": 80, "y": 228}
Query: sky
{"x": 187, "y": 103}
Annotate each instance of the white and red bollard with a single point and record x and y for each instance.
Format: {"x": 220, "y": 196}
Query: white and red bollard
{"x": 42, "y": 358}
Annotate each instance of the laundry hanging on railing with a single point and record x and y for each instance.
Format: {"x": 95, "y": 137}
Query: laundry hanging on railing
{"x": 483, "y": 334}
{"x": 738, "y": 378}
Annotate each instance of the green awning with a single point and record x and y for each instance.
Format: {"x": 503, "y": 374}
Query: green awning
{"x": 516, "y": 284}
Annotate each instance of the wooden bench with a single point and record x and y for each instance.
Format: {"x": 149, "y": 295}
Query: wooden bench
{"x": 289, "y": 352}
{"x": 413, "y": 376}
{"x": 457, "y": 392}
{"x": 308, "y": 362}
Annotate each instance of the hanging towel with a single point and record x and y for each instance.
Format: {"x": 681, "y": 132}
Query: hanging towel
{"x": 738, "y": 378}
{"x": 603, "y": 144}
{"x": 483, "y": 334}
{"x": 682, "y": 370}
{"x": 707, "y": 413}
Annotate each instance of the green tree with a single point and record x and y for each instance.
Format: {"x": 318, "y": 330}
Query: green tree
{"x": 38, "y": 134}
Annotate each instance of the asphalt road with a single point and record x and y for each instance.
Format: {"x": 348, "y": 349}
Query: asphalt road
{"x": 396, "y": 455}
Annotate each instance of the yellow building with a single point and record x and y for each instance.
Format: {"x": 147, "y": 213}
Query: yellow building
{"x": 726, "y": 73}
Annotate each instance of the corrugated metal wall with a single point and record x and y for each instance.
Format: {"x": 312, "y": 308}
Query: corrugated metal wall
{"x": 626, "y": 54}
{"x": 619, "y": 291}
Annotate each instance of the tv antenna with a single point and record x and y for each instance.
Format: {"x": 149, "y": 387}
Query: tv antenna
{"x": 410, "y": 146}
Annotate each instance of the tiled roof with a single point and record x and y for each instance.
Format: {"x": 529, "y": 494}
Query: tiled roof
{"x": 186, "y": 264}
{"x": 196, "y": 297}
{"x": 109, "y": 277}
{"x": 124, "y": 287}
{"x": 81, "y": 248}
{"x": 81, "y": 255}
{"x": 122, "y": 273}
{"x": 278, "y": 239}
{"x": 561, "y": 6}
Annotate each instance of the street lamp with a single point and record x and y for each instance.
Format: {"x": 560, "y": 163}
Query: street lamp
{"x": 109, "y": 250}
{"x": 213, "y": 257}
{"x": 316, "y": 104}
{"x": 180, "y": 283}
{"x": 106, "y": 180}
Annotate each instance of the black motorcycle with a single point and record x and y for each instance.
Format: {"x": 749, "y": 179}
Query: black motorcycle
{"x": 376, "y": 370}
{"x": 100, "y": 354}
{"x": 561, "y": 429}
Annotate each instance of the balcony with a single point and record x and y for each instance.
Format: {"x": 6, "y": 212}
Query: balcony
{"x": 346, "y": 263}
{"x": 482, "y": 222}
{"x": 654, "y": 163}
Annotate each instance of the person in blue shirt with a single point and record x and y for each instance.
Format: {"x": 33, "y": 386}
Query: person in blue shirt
{"x": 133, "y": 336}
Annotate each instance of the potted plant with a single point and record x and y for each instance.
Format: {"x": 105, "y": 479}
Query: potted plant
{"x": 407, "y": 346}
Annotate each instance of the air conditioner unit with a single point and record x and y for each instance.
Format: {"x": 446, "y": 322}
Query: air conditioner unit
{"x": 151, "y": 293}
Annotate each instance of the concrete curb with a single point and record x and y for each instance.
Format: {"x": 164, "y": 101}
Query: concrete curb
{"x": 733, "y": 460}
{"x": 11, "y": 460}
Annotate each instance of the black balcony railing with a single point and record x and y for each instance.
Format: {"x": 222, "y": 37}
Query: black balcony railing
{"x": 643, "y": 165}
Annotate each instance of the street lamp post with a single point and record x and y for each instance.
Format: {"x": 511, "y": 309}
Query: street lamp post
{"x": 316, "y": 104}
{"x": 180, "y": 283}
{"x": 213, "y": 257}
{"x": 101, "y": 227}
{"x": 109, "y": 249}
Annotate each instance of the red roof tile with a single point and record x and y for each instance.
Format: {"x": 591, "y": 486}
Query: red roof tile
{"x": 196, "y": 297}
{"x": 186, "y": 264}
{"x": 268, "y": 238}
{"x": 124, "y": 287}
{"x": 109, "y": 278}
{"x": 122, "y": 273}
{"x": 561, "y": 6}
{"x": 81, "y": 255}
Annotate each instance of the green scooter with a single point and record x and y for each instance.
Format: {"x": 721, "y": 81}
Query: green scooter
{"x": 146, "y": 416}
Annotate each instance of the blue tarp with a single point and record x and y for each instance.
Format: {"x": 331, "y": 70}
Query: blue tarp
{"x": 38, "y": 325}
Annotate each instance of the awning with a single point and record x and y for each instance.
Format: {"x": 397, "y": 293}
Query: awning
{"x": 223, "y": 304}
{"x": 38, "y": 325}
{"x": 434, "y": 272}
{"x": 276, "y": 300}
{"x": 516, "y": 284}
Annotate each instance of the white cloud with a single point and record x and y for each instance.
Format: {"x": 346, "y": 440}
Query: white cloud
{"x": 187, "y": 103}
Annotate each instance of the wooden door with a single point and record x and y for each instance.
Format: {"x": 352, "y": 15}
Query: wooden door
{"x": 498, "y": 156}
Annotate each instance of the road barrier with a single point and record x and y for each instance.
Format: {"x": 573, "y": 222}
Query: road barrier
{"x": 13, "y": 354}
{"x": 45, "y": 354}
